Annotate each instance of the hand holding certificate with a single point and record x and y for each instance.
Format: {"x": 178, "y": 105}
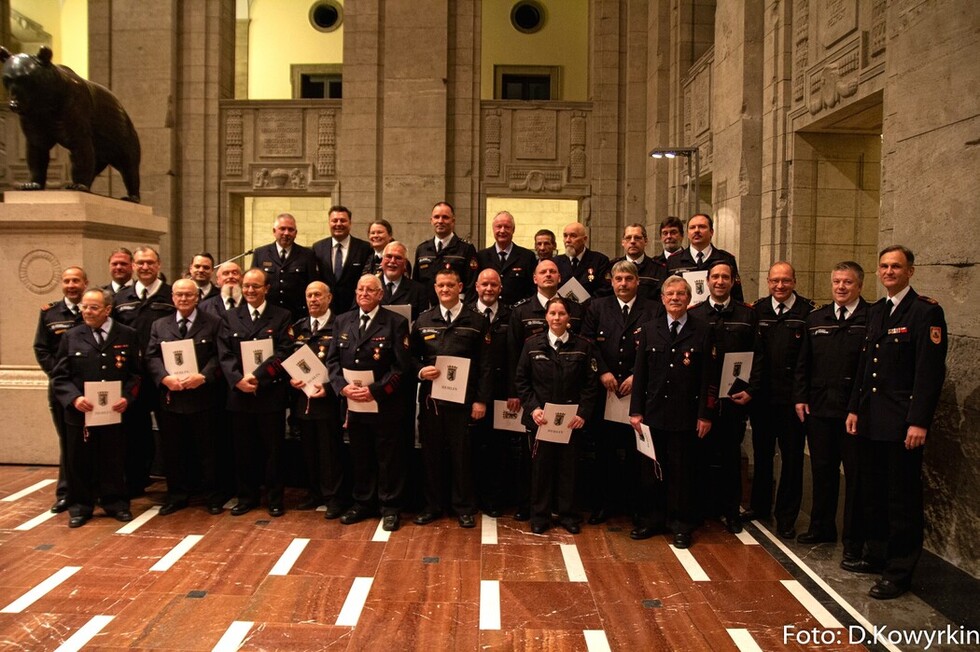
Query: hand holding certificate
{"x": 306, "y": 366}
{"x": 617, "y": 408}
{"x": 557, "y": 423}
{"x": 454, "y": 374}
{"x": 102, "y": 396}
{"x": 254, "y": 353}
{"x": 504, "y": 419}
{"x": 644, "y": 442}
{"x": 360, "y": 379}
{"x": 735, "y": 372}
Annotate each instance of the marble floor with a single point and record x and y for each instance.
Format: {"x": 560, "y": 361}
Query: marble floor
{"x": 192, "y": 581}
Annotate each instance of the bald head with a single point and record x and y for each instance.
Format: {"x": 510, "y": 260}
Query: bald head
{"x": 576, "y": 239}
{"x": 318, "y": 298}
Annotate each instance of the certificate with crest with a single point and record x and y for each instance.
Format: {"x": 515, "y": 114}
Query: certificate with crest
{"x": 558, "y": 428}
{"x": 574, "y": 291}
{"x": 454, "y": 373}
{"x": 179, "y": 358}
{"x": 306, "y": 366}
{"x": 403, "y": 309}
{"x": 103, "y": 395}
{"x": 617, "y": 408}
{"x": 254, "y": 353}
{"x": 644, "y": 442}
{"x": 360, "y": 379}
{"x": 735, "y": 370}
{"x": 699, "y": 286}
{"x": 504, "y": 419}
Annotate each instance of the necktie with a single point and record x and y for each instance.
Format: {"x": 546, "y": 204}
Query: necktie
{"x": 675, "y": 326}
{"x": 719, "y": 307}
{"x": 779, "y": 309}
{"x": 700, "y": 258}
{"x": 390, "y": 289}
{"x": 74, "y": 312}
{"x": 843, "y": 314}
{"x": 574, "y": 264}
{"x": 449, "y": 318}
{"x": 489, "y": 314}
{"x": 503, "y": 256}
{"x": 231, "y": 303}
{"x": 626, "y": 312}
{"x": 144, "y": 295}
{"x": 200, "y": 293}
{"x": 558, "y": 344}
{"x": 98, "y": 336}
{"x": 255, "y": 314}
{"x": 282, "y": 256}
{"x": 889, "y": 306}
{"x": 182, "y": 327}
{"x": 316, "y": 325}
{"x": 439, "y": 247}
{"x": 364, "y": 322}
{"x": 377, "y": 262}
{"x": 338, "y": 261}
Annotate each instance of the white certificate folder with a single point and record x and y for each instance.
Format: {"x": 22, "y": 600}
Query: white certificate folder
{"x": 103, "y": 395}
{"x": 254, "y": 353}
{"x": 306, "y": 366}
{"x": 454, "y": 373}
{"x": 179, "y": 358}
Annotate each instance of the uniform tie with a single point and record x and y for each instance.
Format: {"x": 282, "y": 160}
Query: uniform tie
{"x": 489, "y": 314}
{"x": 675, "y": 326}
{"x": 182, "y": 327}
{"x": 338, "y": 261}
{"x": 390, "y": 289}
{"x": 700, "y": 258}
{"x": 842, "y": 315}
{"x": 97, "y": 332}
{"x": 255, "y": 314}
{"x": 364, "y": 322}
{"x": 503, "y": 256}
{"x": 439, "y": 247}
{"x": 626, "y": 312}
{"x": 144, "y": 295}
{"x": 449, "y": 318}
{"x": 231, "y": 303}
{"x": 316, "y": 325}
{"x": 719, "y": 307}
{"x": 282, "y": 256}
{"x": 779, "y": 309}
{"x": 574, "y": 264}
{"x": 74, "y": 312}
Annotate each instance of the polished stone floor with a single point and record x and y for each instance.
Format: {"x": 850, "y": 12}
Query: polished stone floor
{"x": 192, "y": 581}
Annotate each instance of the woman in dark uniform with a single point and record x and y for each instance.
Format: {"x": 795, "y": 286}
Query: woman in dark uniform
{"x": 555, "y": 367}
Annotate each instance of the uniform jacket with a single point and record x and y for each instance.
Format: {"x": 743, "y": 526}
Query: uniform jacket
{"x": 409, "y": 293}
{"x": 287, "y": 281}
{"x": 499, "y": 360}
{"x": 591, "y": 271}
{"x": 828, "y": 363}
{"x": 782, "y": 340}
{"x": 458, "y": 254}
{"x": 356, "y": 264}
{"x": 467, "y": 337}
{"x": 213, "y": 292}
{"x": 735, "y": 330}
{"x": 675, "y": 383}
{"x": 273, "y": 380}
{"x": 319, "y": 342}
{"x": 205, "y": 330}
{"x": 81, "y": 359}
{"x": 616, "y": 340}
{"x": 54, "y": 321}
{"x": 527, "y": 319}
{"x": 129, "y": 309}
{"x": 515, "y": 274}
{"x": 902, "y": 368}
{"x": 383, "y": 350}
{"x": 217, "y": 306}
{"x": 683, "y": 261}
{"x": 568, "y": 377}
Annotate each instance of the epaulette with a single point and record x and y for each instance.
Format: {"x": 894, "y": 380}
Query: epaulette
{"x": 759, "y": 301}
{"x": 928, "y": 300}
{"x": 747, "y": 304}
{"x": 812, "y": 303}
{"x": 54, "y": 303}
{"x": 522, "y": 301}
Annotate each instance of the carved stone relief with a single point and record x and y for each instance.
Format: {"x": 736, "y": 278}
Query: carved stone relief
{"x": 834, "y": 81}
{"x": 701, "y": 102}
{"x": 326, "y": 144}
{"x": 535, "y": 134}
{"x": 279, "y": 133}
{"x": 878, "y": 35}
{"x": 278, "y": 178}
{"x": 801, "y": 43}
{"x": 577, "y": 156}
{"x": 838, "y": 19}
{"x": 491, "y": 156}
{"x": 535, "y": 180}
{"x": 39, "y": 271}
{"x": 233, "y": 144}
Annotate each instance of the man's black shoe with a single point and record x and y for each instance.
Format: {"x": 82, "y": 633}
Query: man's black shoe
{"x": 355, "y": 515}
{"x": 426, "y": 517}
{"x": 788, "y": 533}
{"x": 170, "y": 508}
{"x": 539, "y": 528}
{"x": 242, "y": 508}
{"x": 123, "y": 516}
{"x": 77, "y": 521}
{"x": 333, "y": 511}
{"x": 214, "y": 510}
{"x": 860, "y": 566}
{"x": 682, "y": 540}
{"x": 522, "y": 515}
{"x": 59, "y": 506}
{"x": 640, "y": 533}
{"x": 815, "y": 537}
{"x": 390, "y": 522}
{"x": 309, "y": 503}
{"x": 886, "y": 590}
{"x": 275, "y": 511}
{"x": 599, "y": 516}
{"x": 571, "y": 527}
{"x": 466, "y": 521}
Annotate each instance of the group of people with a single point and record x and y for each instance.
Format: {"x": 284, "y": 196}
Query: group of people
{"x": 859, "y": 383}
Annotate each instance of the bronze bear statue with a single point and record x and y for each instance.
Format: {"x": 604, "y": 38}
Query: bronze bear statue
{"x": 57, "y": 107}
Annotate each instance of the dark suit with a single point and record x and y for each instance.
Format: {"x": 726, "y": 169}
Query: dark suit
{"x": 591, "y": 271}
{"x": 516, "y": 272}
{"x": 899, "y": 379}
{"x": 458, "y": 254}
{"x": 186, "y": 417}
{"x": 773, "y": 413}
{"x": 825, "y": 375}
{"x": 377, "y": 448}
{"x": 215, "y": 291}
{"x": 357, "y": 262}
{"x": 287, "y": 281}
{"x": 257, "y": 419}
{"x": 96, "y": 456}
{"x": 683, "y": 261}
{"x": 408, "y": 293}
{"x": 54, "y": 321}
{"x": 675, "y": 383}
{"x": 218, "y": 306}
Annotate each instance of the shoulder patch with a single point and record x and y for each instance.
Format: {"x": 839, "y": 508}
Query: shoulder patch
{"x": 48, "y": 306}
{"x": 522, "y": 301}
{"x": 928, "y": 300}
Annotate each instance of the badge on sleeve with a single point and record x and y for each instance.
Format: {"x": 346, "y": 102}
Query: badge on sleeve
{"x": 936, "y": 334}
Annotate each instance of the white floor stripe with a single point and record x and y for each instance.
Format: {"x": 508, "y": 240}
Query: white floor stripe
{"x": 817, "y": 610}
{"x": 854, "y": 613}
{"x": 39, "y": 591}
{"x": 595, "y": 641}
{"x": 46, "y": 515}
{"x": 29, "y": 490}
{"x": 489, "y": 604}
{"x": 289, "y": 557}
{"x": 381, "y": 535}
{"x": 691, "y": 565}
{"x": 743, "y": 640}
{"x": 573, "y": 563}
{"x": 488, "y": 530}
{"x": 139, "y": 521}
{"x": 85, "y": 634}
{"x": 351, "y": 611}
{"x": 233, "y": 637}
{"x": 746, "y": 538}
{"x": 176, "y": 553}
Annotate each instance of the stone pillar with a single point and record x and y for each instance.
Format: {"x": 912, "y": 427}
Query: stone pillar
{"x": 657, "y": 117}
{"x": 463, "y": 156}
{"x": 42, "y": 233}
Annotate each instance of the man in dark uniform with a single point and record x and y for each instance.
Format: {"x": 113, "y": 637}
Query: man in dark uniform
{"x": 188, "y": 400}
{"x": 590, "y": 267}
{"x": 320, "y": 419}
{"x": 229, "y": 297}
{"x": 399, "y": 289}
{"x": 900, "y": 376}
{"x": 55, "y": 320}
{"x": 138, "y": 306}
{"x": 372, "y": 339}
{"x": 120, "y": 270}
{"x": 257, "y": 400}
{"x": 342, "y": 259}
{"x": 614, "y": 324}
{"x": 290, "y": 267}
{"x": 734, "y": 329}
{"x": 450, "y": 329}
{"x": 671, "y": 237}
{"x": 701, "y": 254}
{"x": 445, "y": 250}
{"x": 782, "y": 322}
{"x": 513, "y": 263}
{"x": 102, "y": 349}
{"x": 825, "y": 373}
{"x": 650, "y": 271}
{"x": 490, "y": 445}
{"x": 200, "y": 271}
{"x": 675, "y": 393}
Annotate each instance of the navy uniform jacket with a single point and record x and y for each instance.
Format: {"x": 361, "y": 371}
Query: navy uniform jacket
{"x": 782, "y": 340}
{"x": 409, "y": 293}
{"x": 616, "y": 339}
{"x": 458, "y": 254}
{"x": 515, "y": 274}
{"x": 80, "y": 359}
{"x": 675, "y": 383}
{"x": 545, "y": 375}
{"x": 527, "y": 319}
{"x": 467, "y": 337}
{"x": 273, "y": 380}
{"x": 828, "y": 362}
{"x": 735, "y": 330}
{"x": 651, "y": 272}
{"x": 205, "y": 330}
{"x": 129, "y": 309}
{"x": 217, "y": 306}
{"x": 591, "y": 271}
{"x": 54, "y": 321}
{"x": 356, "y": 264}
{"x": 287, "y": 281}
{"x": 319, "y": 342}
{"x": 499, "y": 359}
{"x": 902, "y": 368}
{"x": 683, "y": 261}
{"x": 213, "y": 292}
{"x": 382, "y": 350}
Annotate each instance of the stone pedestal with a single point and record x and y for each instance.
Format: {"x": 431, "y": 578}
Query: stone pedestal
{"x": 41, "y": 233}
